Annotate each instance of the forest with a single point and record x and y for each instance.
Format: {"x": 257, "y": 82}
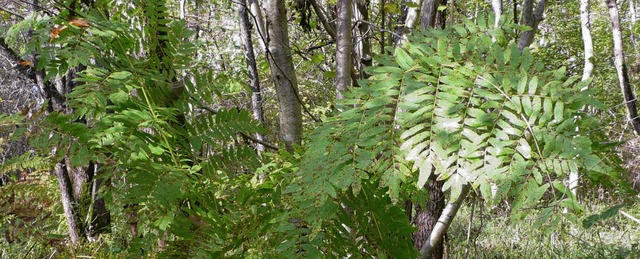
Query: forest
{"x": 319, "y": 129}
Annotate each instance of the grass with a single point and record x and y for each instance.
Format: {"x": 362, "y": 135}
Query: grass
{"x": 492, "y": 236}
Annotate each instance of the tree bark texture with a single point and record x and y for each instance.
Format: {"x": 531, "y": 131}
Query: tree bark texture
{"x": 430, "y": 248}
{"x": 361, "y": 13}
{"x": 344, "y": 48}
{"x": 254, "y": 80}
{"x": 284, "y": 77}
{"x": 587, "y": 42}
{"x": 66, "y": 194}
{"x": 428, "y": 13}
{"x": 496, "y": 5}
{"x": 531, "y": 19}
{"x": 426, "y": 217}
{"x": 621, "y": 67}
{"x": 258, "y": 18}
{"x": 322, "y": 16}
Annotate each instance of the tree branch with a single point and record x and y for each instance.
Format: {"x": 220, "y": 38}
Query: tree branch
{"x": 323, "y": 19}
{"x": 11, "y": 13}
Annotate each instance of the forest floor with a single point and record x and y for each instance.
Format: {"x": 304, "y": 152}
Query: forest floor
{"x": 493, "y": 237}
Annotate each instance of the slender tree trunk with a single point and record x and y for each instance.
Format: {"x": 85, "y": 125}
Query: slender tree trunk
{"x": 634, "y": 18}
{"x": 364, "y": 37}
{"x": 413, "y": 13}
{"x": 322, "y": 16}
{"x": 254, "y": 80}
{"x": 67, "y": 201}
{"x": 261, "y": 26}
{"x": 344, "y": 48}
{"x": 284, "y": 77}
{"x": 100, "y": 216}
{"x": 621, "y": 67}
{"x": 531, "y": 19}
{"x": 383, "y": 20}
{"x": 585, "y": 27}
{"x": 496, "y": 5}
{"x": 183, "y": 7}
{"x": 586, "y": 72}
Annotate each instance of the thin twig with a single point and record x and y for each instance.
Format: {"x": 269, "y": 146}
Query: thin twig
{"x": 629, "y": 216}
{"x": 11, "y": 13}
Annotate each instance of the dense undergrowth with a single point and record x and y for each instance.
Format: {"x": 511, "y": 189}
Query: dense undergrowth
{"x": 492, "y": 236}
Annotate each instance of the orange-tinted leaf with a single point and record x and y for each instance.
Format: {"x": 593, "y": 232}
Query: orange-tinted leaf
{"x": 56, "y": 31}
{"x": 24, "y": 63}
{"x": 79, "y": 23}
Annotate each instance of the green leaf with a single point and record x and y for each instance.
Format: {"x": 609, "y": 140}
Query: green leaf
{"x": 403, "y": 59}
{"x": 607, "y": 214}
{"x": 558, "y": 112}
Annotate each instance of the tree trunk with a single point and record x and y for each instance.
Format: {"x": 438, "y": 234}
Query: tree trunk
{"x": 621, "y": 67}
{"x": 431, "y": 247}
{"x": 361, "y": 12}
{"x": 343, "y": 48}
{"x": 428, "y": 13}
{"x": 632, "y": 25}
{"x": 100, "y": 216}
{"x": 67, "y": 201}
{"x": 586, "y": 72}
{"x": 261, "y": 27}
{"x": 322, "y": 16}
{"x": 410, "y": 20}
{"x": 284, "y": 76}
{"x": 531, "y": 19}
{"x": 427, "y": 216}
{"x": 254, "y": 80}
{"x": 496, "y": 5}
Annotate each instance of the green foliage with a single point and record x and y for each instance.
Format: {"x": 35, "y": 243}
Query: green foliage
{"x": 175, "y": 164}
{"x": 607, "y": 214}
{"x": 471, "y": 111}
{"x": 30, "y": 223}
{"x": 450, "y": 103}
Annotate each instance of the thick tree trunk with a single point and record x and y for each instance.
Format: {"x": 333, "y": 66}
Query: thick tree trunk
{"x": 531, "y": 19}
{"x": 284, "y": 77}
{"x": 428, "y": 13}
{"x": 344, "y": 48}
{"x": 431, "y": 246}
{"x": 254, "y": 80}
{"x": 427, "y": 215}
{"x": 621, "y": 67}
